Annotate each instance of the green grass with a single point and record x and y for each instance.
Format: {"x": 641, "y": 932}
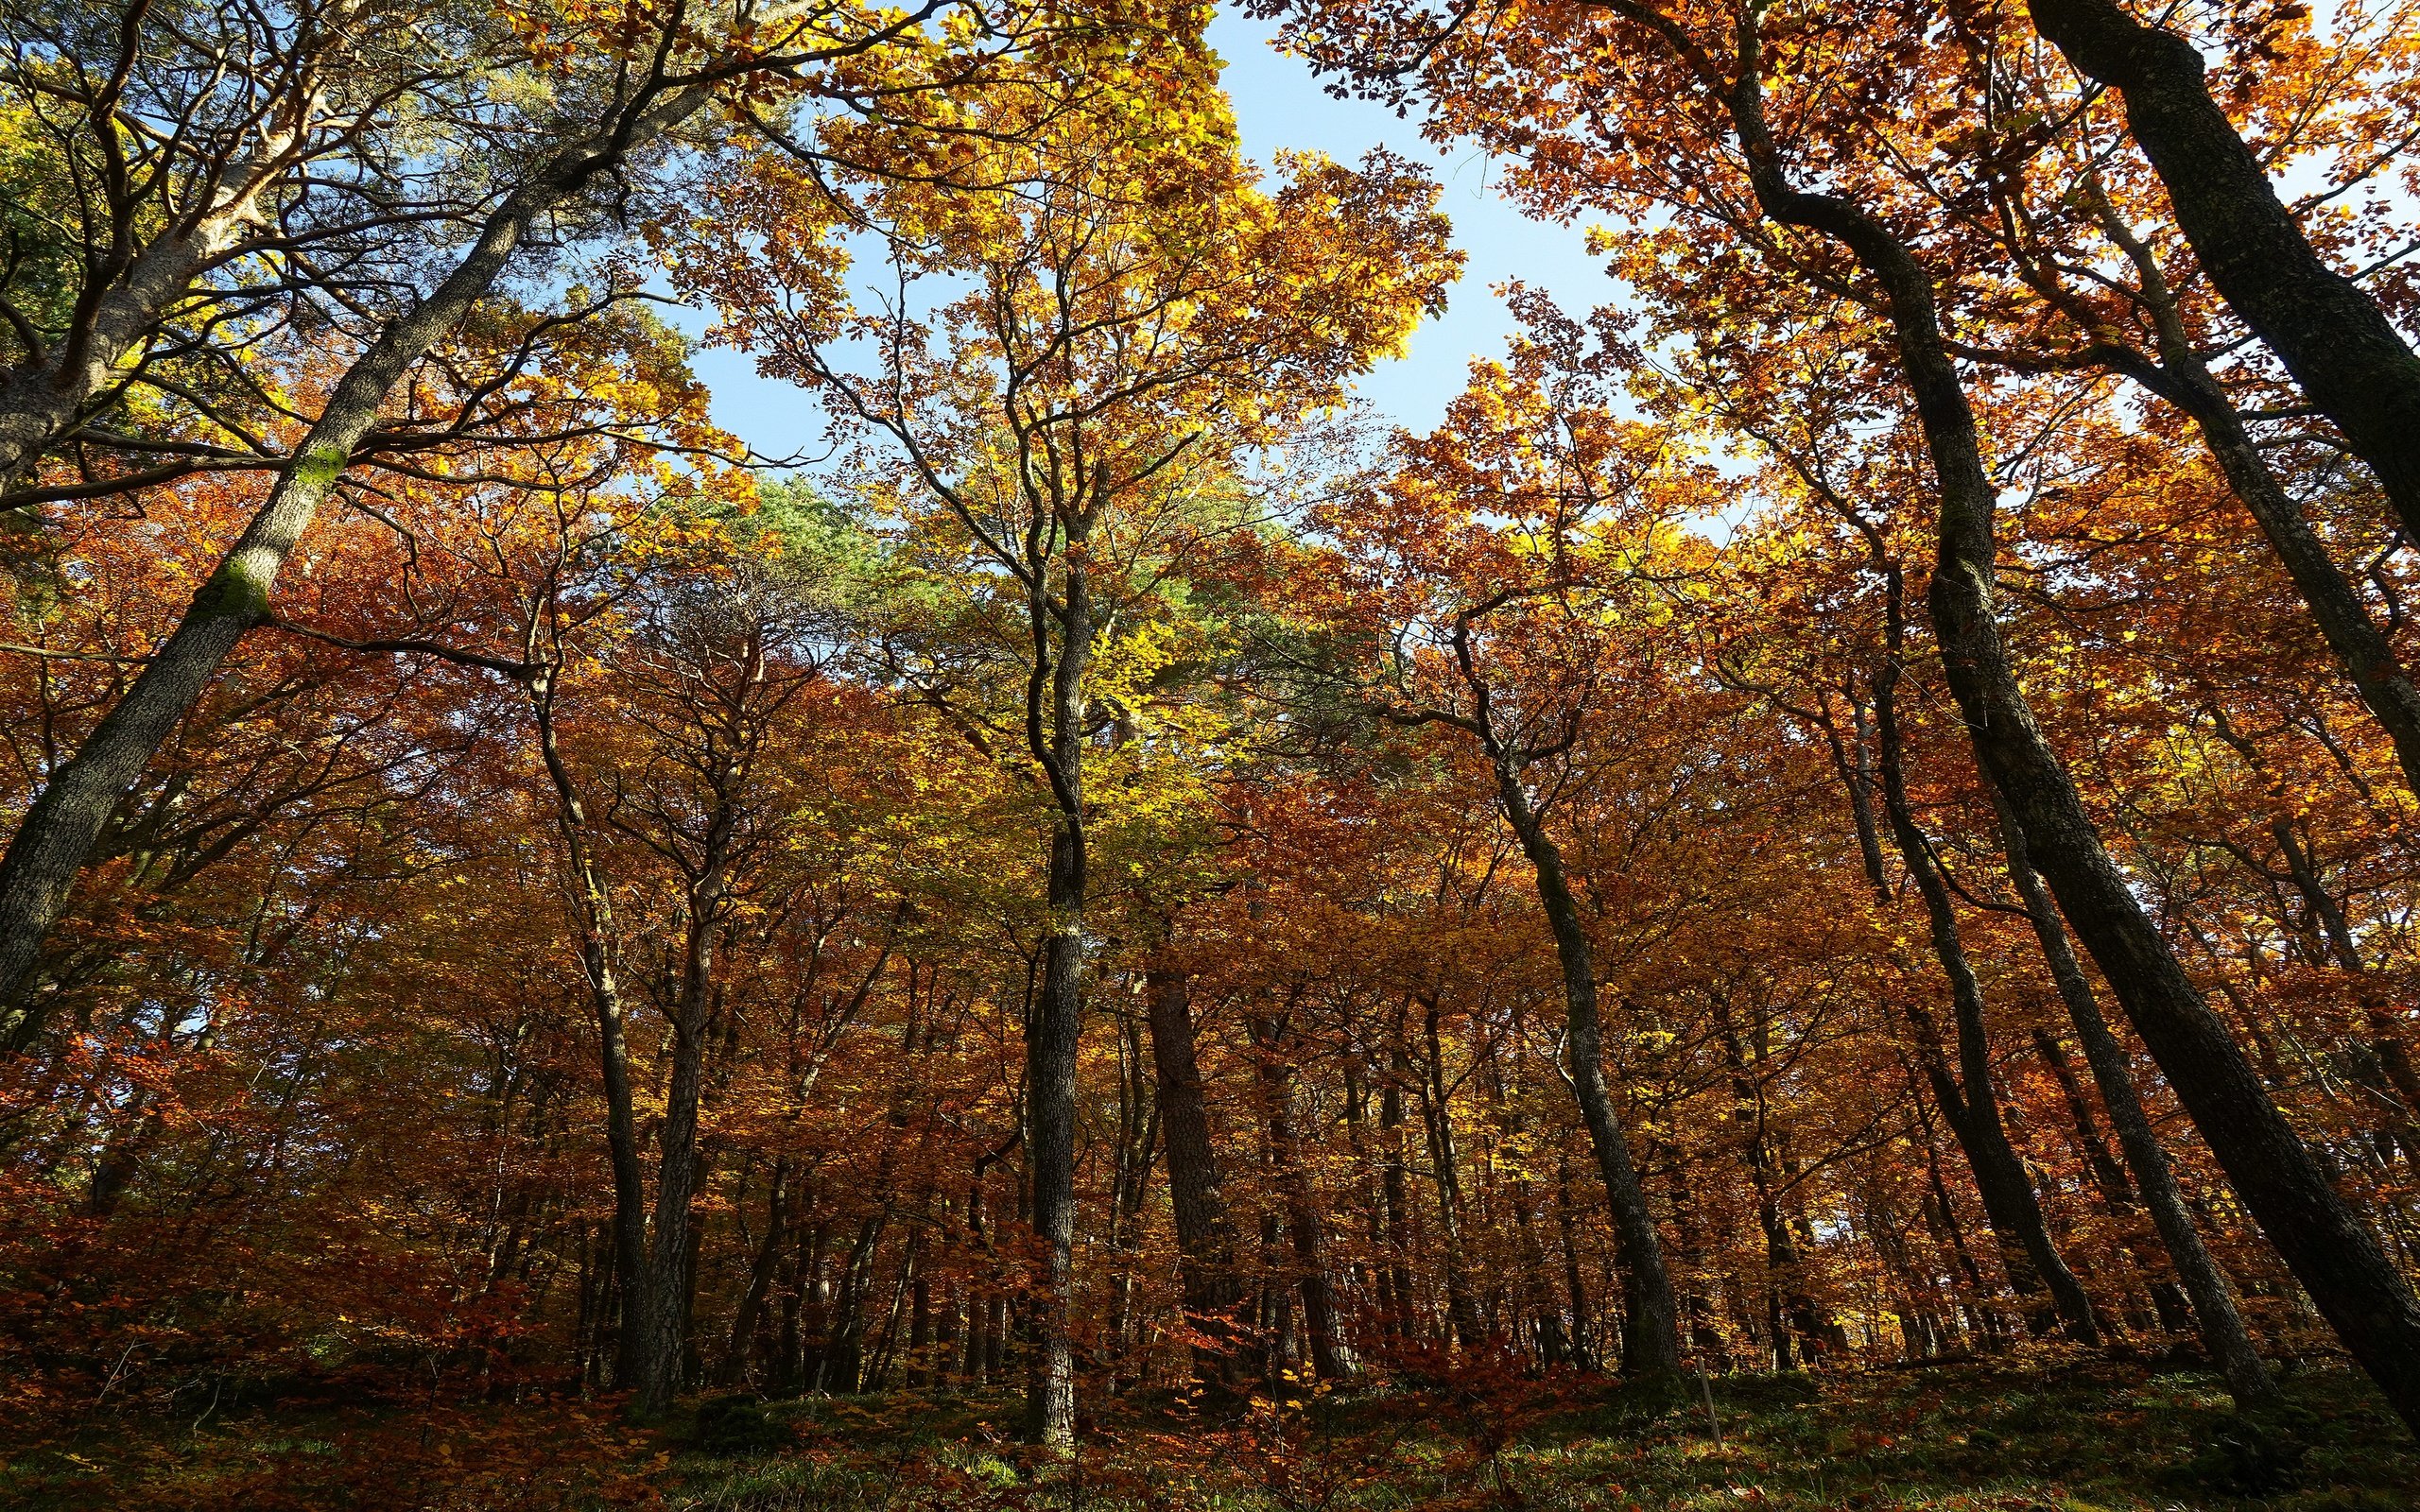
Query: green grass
{"x": 2073, "y": 1435}
{"x": 2077, "y": 1437}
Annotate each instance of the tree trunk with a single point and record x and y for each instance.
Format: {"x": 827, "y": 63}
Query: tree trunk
{"x": 662, "y": 1320}
{"x": 1205, "y": 1237}
{"x": 2338, "y": 1260}
{"x": 1394, "y": 1182}
{"x": 1302, "y": 1212}
{"x": 592, "y": 910}
{"x": 2214, "y": 1310}
{"x": 1650, "y": 1317}
{"x": 2181, "y": 378}
{"x": 1970, "y": 1101}
{"x": 760, "y": 1278}
{"x": 1056, "y": 715}
{"x": 2341, "y": 347}
{"x": 1462, "y": 1308}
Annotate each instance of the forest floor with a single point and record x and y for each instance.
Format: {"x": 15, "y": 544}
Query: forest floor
{"x": 2079, "y": 1436}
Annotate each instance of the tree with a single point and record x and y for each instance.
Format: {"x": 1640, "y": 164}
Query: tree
{"x": 647, "y": 91}
{"x": 1506, "y": 633}
{"x": 1138, "y": 315}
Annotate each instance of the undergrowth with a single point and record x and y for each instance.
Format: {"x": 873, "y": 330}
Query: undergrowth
{"x": 2079, "y": 1436}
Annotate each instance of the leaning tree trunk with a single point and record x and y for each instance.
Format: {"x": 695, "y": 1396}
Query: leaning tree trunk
{"x": 60, "y": 829}
{"x": 1650, "y": 1317}
{"x": 2338, "y": 1260}
{"x": 2183, "y": 379}
{"x": 592, "y": 910}
{"x": 1971, "y": 1102}
{"x": 2341, "y": 347}
{"x": 2214, "y": 1310}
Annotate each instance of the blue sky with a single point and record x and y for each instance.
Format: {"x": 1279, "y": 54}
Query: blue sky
{"x": 1277, "y": 105}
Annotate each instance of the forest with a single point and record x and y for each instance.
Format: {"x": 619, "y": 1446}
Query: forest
{"x": 1811, "y": 899}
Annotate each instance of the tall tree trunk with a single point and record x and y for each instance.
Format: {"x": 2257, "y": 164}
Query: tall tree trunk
{"x": 2387, "y": 1071}
{"x": 2339, "y": 1262}
{"x": 2118, "y": 1195}
{"x": 662, "y": 1322}
{"x": 1395, "y": 1180}
{"x": 1575, "y": 1285}
{"x": 2214, "y": 1310}
{"x": 1941, "y": 1216}
{"x": 2341, "y": 347}
{"x": 1302, "y": 1225}
{"x": 1204, "y": 1236}
{"x": 1437, "y": 1114}
{"x": 1650, "y": 1317}
{"x": 592, "y": 910}
{"x": 1056, "y": 728}
{"x": 1138, "y": 1140}
{"x": 745, "y": 1318}
{"x": 1971, "y": 1100}
{"x": 2181, "y": 377}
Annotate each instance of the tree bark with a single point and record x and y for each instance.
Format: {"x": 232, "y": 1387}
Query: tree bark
{"x": 744, "y": 1320}
{"x": 1204, "y": 1236}
{"x": 58, "y": 830}
{"x": 2339, "y": 347}
{"x": 2339, "y": 1262}
{"x": 2214, "y": 1310}
{"x": 1650, "y": 1317}
{"x": 1302, "y": 1225}
{"x": 1437, "y": 1115}
{"x": 593, "y": 913}
{"x": 665, "y": 1311}
{"x": 1970, "y": 1100}
{"x": 2182, "y": 379}
{"x": 1055, "y": 727}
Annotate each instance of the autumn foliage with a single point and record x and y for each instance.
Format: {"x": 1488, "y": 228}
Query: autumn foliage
{"x": 1852, "y": 807}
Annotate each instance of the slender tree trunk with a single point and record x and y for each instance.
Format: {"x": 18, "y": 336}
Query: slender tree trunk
{"x": 661, "y": 1323}
{"x": 1575, "y": 1285}
{"x": 1302, "y": 1225}
{"x": 593, "y": 909}
{"x": 1650, "y": 1317}
{"x": 1056, "y": 715}
{"x": 1970, "y": 1101}
{"x": 2363, "y": 650}
{"x": 2214, "y": 1310}
{"x": 1137, "y": 1151}
{"x": 2118, "y": 1195}
{"x": 1462, "y": 1307}
{"x": 1394, "y": 1182}
{"x": 1941, "y": 1216}
{"x": 920, "y": 1316}
{"x": 2341, "y": 347}
{"x": 2387, "y": 1073}
{"x": 745, "y": 1318}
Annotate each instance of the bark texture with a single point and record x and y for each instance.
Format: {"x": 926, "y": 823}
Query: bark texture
{"x": 61, "y": 827}
{"x": 2339, "y": 347}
